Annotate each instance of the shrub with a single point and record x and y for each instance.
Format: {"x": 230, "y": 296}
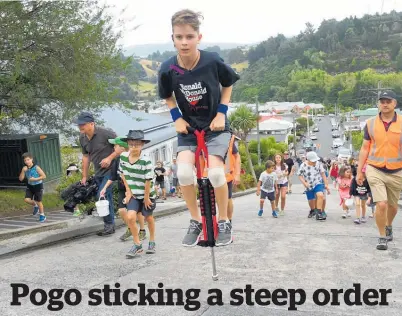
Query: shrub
{"x": 258, "y": 170}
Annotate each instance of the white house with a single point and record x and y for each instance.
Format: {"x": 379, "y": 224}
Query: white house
{"x": 158, "y": 128}
{"x": 279, "y": 128}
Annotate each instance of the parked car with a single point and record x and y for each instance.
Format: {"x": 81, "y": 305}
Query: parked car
{"x": 344, "y": 153}
{"x": 337, "y": 143}
{"x": 313, "y": 137}
{"x": 316, "y": 129}
{"x": 336, "y": 134}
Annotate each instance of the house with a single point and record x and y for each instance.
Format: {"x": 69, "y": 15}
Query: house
{"x": 274, "y": 126}
{"x": 158, "y": 128}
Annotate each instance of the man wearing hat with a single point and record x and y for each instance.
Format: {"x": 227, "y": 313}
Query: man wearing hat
{"x": 382, "y": 151}
{"x": 94, "y": 141}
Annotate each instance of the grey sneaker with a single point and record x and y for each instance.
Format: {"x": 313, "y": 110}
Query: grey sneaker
{"x": 193, "y": 234}
{"x": 151, "y": 248}
{"x": 388, "y": 233}
{"x": 382, "y": 243}
{"x": 126, "y": 236}
{"x": 225, "y": 233}
{"x": 134, "y": 251}
{"x": 357, "y": 221}
{"x": 142, "y": 235}
{"x": 363, "y": 220}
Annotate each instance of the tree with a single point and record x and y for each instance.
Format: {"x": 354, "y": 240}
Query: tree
{"x": 242, "y": 121}
{"x": 57, "y": 58}
{"x": 357, "y": 140}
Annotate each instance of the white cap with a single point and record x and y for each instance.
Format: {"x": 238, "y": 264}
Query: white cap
{"x": 312, "y": 156}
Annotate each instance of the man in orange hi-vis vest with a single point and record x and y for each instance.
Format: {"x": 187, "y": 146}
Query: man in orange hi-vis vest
{"x": 232, "y": 171}
{"x": 382, "y": 151}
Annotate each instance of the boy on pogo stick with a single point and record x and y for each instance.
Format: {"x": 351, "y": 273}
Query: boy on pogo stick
{"x": 202, "y": 86}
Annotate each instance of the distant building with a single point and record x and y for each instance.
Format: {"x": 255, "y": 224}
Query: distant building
{"x": 158, "y": 128}
{"x": 273, "y": 126}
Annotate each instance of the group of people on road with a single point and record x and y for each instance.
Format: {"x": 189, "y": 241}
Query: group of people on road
{"x": 197, "y": 87}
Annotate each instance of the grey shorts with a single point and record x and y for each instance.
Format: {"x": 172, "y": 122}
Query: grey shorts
{"x": 175, "y": 182}
{"x": 160, "y": 184}
{"x": 267, "y": 195}
{"x": 137, "y": 205}
{"x": 217, "y": 143}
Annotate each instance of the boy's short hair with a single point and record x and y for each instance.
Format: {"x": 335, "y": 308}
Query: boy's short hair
{"x": 27, "y": 155}
{"x": 269, "y": 164}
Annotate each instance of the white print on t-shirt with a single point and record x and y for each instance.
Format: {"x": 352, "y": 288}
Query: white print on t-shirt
{"x": 193, "y": 93}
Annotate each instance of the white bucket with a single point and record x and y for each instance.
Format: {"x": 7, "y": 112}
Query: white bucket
{"x": 102, "y": 207}
{"x": 349, "y": 202}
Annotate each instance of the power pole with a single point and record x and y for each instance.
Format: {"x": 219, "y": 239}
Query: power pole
{"x": 378, "y": 90}
{"x": 258, "y": 131}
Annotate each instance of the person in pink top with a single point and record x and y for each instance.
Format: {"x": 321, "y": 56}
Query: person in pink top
{"x": 344, "y": 181}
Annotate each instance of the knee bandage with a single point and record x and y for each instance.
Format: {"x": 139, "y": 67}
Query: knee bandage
{"x": 217, "y": 177}
{"x": 185, "y": 174}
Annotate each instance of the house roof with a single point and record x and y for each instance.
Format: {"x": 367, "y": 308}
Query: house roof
{"x": 157, "y": 127}
{"x": 370, "y": 112}
{"x": 278, "y": 137}
{"x": 274, "y": 124}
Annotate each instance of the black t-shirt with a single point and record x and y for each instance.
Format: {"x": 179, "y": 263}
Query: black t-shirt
{"x": 359, "y": 190}
{"x": 159, "y": 178}
{"x": 198, "y": 92}
{"x": 290, "y": 163}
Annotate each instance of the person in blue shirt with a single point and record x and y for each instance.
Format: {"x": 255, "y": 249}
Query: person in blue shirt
{"x": 34, "y": 191}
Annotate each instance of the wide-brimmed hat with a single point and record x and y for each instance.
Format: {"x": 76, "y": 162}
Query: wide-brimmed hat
{"x": 135, "y": 135}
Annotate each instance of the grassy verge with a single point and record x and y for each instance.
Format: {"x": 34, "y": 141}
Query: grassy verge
{"x": 12, "y": 203}
{"x": 240, "y": 66}
{"x": 145, "y": 88}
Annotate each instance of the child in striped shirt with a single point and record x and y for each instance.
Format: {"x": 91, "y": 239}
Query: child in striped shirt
{"x": 137, "y": 174}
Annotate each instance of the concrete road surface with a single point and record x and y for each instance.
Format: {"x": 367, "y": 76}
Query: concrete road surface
{"x": 293, "y": 253}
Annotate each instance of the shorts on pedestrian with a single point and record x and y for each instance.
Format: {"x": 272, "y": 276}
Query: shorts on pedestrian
{"x": 160, "y": 184}
{"x": 230, "y": 189}
{"x": 284, "y": 185}
{"x": 333, "y": 178}
{"x": 363, "y": 197}
{"x": 137, "y": 205}
{"x": 384, "y": 186}
{"x": 267, "y": 195}
{"x": 217, "y": 143}
{"x": 175, "y": 182}
{"x": 34, "y": 192}
{"x": 120, "y": 198}
{"x": 311, "y": 194}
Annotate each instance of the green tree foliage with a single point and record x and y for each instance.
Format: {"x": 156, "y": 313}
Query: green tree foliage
{"x": 57, "y": 58}
{"x": 326, "y": 64}
{"x": 357, "y": 140}
{"x": 242, "y": 121}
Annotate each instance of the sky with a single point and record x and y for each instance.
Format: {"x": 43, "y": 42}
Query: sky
{"x": 230, "y": 21}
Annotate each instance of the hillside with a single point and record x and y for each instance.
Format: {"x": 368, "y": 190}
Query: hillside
{"x": 150, "y": 67}
{"x": 337, "y": 62}
{"x": 147, "y": 49}
{"x": 144, "y": 89}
